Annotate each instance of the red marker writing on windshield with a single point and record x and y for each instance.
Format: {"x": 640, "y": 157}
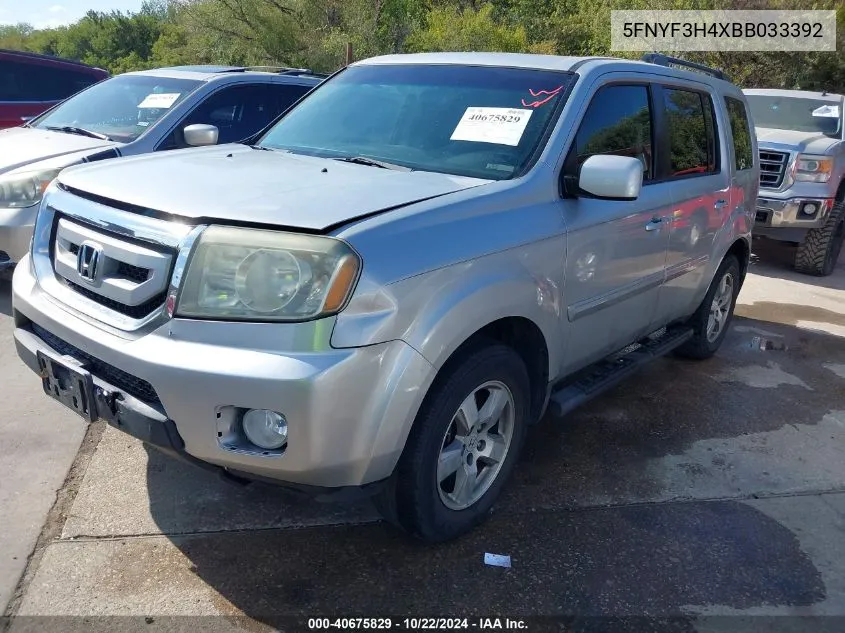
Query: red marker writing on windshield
{"x": 536, "y": 104}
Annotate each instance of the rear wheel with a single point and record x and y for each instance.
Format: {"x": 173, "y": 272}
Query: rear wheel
{"x": 463, "y": 446}
{"x": 710, "y": 322}
{"x": 818, "y": 253}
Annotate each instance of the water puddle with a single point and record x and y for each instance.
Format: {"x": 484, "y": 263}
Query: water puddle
{"x": 763, "y": 344}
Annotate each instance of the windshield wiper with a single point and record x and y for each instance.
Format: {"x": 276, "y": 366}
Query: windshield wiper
{"x": 71, "y": 129}
{"x": 371, "y": 162}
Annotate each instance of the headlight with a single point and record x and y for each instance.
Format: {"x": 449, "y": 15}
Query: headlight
{"x": 24, "y": 189}
{"x": 813, "y": 168}
{"x": 258, "y": 275}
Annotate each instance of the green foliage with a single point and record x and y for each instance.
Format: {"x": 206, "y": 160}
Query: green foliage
{"x": 452, "y": 29}
{"x": 15, "y": 36}
{"x": 315, "y": 34}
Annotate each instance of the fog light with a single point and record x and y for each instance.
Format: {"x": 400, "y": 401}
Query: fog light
{"x": 810, "y": 208}
{"x": 266, "y": 429}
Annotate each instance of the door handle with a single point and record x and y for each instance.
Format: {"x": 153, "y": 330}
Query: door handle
{"x": 655, "y": 224}
{"x": 720, "y": 204}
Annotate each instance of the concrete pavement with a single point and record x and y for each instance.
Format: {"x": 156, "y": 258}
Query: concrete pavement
{"x": 692, "y": 490}
{"x": 39, "y": 442}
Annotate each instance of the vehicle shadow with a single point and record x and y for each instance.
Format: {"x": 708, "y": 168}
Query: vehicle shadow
{"x": 775, "y": 259}
{"x": 634, "y": 561}
{"x": 5, "y": 294}
{"x": 583, "y": 518}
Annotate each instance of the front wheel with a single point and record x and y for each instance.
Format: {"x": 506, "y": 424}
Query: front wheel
{"x": 464, "y": 444}
{"x": 818, "y": 253}
{"x": 710, "y": 322}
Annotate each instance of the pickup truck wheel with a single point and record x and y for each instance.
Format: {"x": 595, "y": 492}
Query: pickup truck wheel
{"x": 710, "y": 322}
{"x": 818, "y": 253}
{"x": 464, "y": 444}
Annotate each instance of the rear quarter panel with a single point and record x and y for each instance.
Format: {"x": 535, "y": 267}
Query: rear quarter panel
{"x": 745, "y": 183}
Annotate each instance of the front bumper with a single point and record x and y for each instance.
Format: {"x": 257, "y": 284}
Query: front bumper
{"x": 16, "y": 226}
{"x": 348, "y": 411}
{"x": 774, "y": 213}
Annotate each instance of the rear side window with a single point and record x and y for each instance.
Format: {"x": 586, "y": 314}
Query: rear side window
{"x": 12, "y": 83}
{"x": 691, "y": 130}
{"x": 37, "y": 82}
{"x": 741, "y": 133}
{"x": 617, "y": 121}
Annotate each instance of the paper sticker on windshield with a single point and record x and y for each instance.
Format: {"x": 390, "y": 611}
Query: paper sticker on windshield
{"x": 827, "y": 111}
{"x": 161, "y": 100}
{"x": 502, "y": 126}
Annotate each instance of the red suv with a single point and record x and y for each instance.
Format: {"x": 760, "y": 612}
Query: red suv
{"x": 32, "y": 83}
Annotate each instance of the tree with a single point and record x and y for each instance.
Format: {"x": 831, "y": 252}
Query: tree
{"x": 315, "y": 33}
{"x": 15, "y": 36}
{"x": 255, "y": 31}
{"x": 450, "y": 28}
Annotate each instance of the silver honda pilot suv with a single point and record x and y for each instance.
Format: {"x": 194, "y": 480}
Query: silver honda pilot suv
{"x": 382, "y": 292}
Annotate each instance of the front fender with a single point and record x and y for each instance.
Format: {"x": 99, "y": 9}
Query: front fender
{"x": 436, "y": 312}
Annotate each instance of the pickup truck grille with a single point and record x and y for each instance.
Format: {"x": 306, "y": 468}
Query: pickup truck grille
{"x": 772, "y": 168}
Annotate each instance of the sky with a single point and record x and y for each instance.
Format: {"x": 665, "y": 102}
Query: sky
{"x": 47, "y": 13}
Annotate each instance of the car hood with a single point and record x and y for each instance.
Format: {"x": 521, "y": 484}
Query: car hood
{"x": 789, "y": 140}
{"x": 240, "y": 184}
{"x": 22, "y": 147}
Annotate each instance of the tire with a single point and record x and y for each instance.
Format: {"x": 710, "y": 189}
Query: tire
{"x": 419, "y": 498}
{"x": 704, "y": 342}
{"x": 818, "y": 253}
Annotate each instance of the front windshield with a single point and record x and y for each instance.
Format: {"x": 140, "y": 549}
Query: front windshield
{"x": 483, "y": 122}
{"x": 794, "y": 113}
{"x": 121, "y": 108}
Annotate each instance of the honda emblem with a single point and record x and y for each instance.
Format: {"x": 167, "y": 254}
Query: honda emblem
{"x": 88, "y": 260}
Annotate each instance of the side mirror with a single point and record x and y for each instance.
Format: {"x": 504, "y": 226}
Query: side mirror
{"x": 200, "y": 134}
{"x": 611, "y": 177}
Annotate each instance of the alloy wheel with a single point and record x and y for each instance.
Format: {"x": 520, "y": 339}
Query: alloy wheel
{"x": 720, "y": 308}
{"x": 475, "y": 445}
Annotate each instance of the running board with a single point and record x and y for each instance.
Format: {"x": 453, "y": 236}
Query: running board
{"x": 608, "y": 372}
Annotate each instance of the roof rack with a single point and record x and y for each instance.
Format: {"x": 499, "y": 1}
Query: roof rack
{"x": 665, "y": 60}
{"x": 302, "y": 71}
{"x": 279, "y": 70}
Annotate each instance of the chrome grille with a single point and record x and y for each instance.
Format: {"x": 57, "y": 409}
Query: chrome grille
{"x": 136, "y": 312}
{"x": 128, "y": 277}
{"x": 135, "y": 273}
{"x": 107, "y": 264}
{"x": 772, "y": 168}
